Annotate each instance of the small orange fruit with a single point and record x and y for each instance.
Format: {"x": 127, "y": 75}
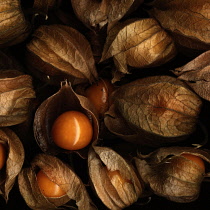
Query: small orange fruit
{"x": 99, "y": 93}
{"x": 48, "y": 187}
{"x": 116, "y": 175}
{"x": 3, "y": 155}
{"x": 199, "y": 161}
{"x": 72, "y": 130}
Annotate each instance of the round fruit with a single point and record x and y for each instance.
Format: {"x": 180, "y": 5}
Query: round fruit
{"x": 115, "y": 175}
{"x": 99, "y": 93}
{"x": 48, "y": 187}
{"x": 199, "y": 161}
{"x": 3, "y": 156}
{"x": 72, "y": 130}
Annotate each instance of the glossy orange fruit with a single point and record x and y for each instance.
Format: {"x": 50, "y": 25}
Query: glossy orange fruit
{"x": 199, "y": 161}
{"x": 99, "y": 93}
{"x": 3, "y": 155}
{"x": 72, "y": 130}
{"x": 48, "y": 187}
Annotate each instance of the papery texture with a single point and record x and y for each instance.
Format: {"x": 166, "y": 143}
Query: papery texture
{"x": 188, "y": 21}
{"x": 114, "y": 179}
{"x": 58, "y": 53}
{"x": 155, "y": 110}
{"x": 16, "y": 94}
{"x": 138, "y": 43}
{"x": 171, "y": 175}
{"x": 13, "y": 26}
{"x": 196, "y": 74}
{"x": 96, "y": 14}
{"x": 62, "y": 175}
{"x": 64, "y": 100}
{"x": 15, "y": 159}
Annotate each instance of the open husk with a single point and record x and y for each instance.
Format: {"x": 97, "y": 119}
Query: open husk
{"x": 14, "y": 161}
{"x": 169, "y": 174}
{"x": 63, "y": 100}
{"x": 113, "y": 178}
{"x": 62, "y": 175}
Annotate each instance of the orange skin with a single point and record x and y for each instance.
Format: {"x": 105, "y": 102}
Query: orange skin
{"x": 99, "y": 93}
{"x": 72, "y": 130}
{"x": 48, "y": 188}
{"x": 3, "y": 156}
{"x": 116, "y": 175}
{"x": 199, "y": 161}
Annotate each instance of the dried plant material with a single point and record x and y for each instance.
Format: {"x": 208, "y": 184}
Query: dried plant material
{"x": 57, "y": 53}
{"x": 196, "y": 74}
{"x": 14, "y": 162}
{"x": 96, "y": 14}
{"x": 16, "y": 94}
{"x": 13, "y": 25}
{"x": 113, "y": 178}
{"x": 62, "y": 175}
{"x": 64, "y": 100}
{"x": 153, "y": 111}
{"x": 138, "y": 43}
{"x": 188, "y": 21}
{"x": 170, "y": 174}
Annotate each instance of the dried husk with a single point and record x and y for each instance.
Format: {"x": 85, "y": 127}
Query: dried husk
{"x": 115, "y": 192}
{"x": 62, "y": 175}
{"x": 13, "y": 25}
{"x": 14, "y": 162}
{"x": 139, "y": 43}
{"x": 173, "y": 176}
{"x": 187, "y": 21}
{"x": 196, "y": 74}
{"x": 57, "y": 53}
{"x": 153, "y": 111}
{"x": 63, "y": 100}
{"x": 96, "y": 14}
{"x": 16, "y": 94}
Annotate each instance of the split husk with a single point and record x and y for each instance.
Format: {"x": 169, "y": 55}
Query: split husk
{"x": 153, "y": 111}
{"x": 63, "y": 100}
{"x": 113, "y": 178}
{"x": 62, "y": 175}
{"x": 57, "y": 53}
{"x": 171, "y": 175}
{"x": 14, "y": 162}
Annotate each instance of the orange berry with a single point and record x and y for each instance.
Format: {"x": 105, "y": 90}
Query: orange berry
{"x": 48, "y": 187}
{"x": 199, "y": 161}
{"x": 99, "y": 93}
{"x": 72, "y": 130}
{"x": 3, "y": 155}
{"x": 117, "y": 177}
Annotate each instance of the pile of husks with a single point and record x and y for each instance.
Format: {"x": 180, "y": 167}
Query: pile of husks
{"x": 138, "y": 71}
